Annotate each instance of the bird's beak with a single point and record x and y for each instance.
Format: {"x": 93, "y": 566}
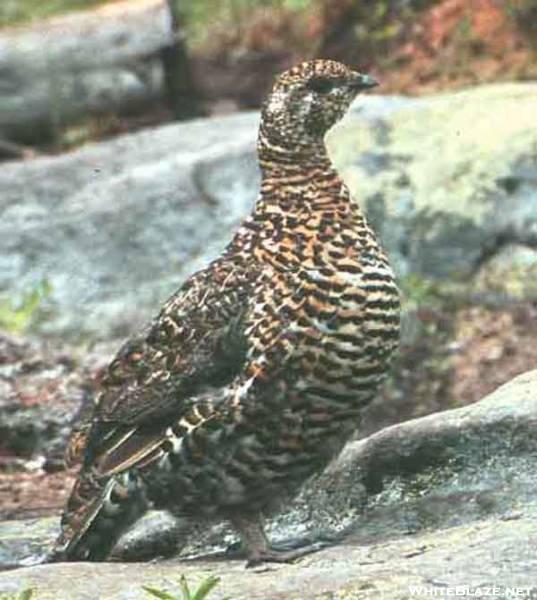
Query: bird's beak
{"x": 361, "y": 82}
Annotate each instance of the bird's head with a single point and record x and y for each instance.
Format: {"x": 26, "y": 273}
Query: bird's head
{"x": 307, "y": 100}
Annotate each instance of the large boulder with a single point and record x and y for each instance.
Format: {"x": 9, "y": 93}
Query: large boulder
{"x": 448, "y": 181}
{"x": 115, "y": 227}
{"x": 443, "y": 501}
{"x": 61, "y": 70}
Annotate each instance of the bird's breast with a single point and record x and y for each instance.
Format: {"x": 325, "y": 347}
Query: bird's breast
{"x": 329, "y": 302}
{"x": 347, "y": 328}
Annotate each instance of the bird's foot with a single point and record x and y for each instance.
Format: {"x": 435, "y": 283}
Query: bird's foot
{"x": 259, "y": 550}
{"x": 285, "y": 552}
{"x": 319, "y": 539}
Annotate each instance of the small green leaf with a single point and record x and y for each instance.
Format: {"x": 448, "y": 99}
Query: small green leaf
{"x": 158, "y": 593}
{"x": 205, "y": 587}
{"x": 184, "y": 588}
{"x": 296, "y": 5}
{"x": 16, "y": 315}
{"x": 24, "y": 595}
{"x": 201, "y": 593}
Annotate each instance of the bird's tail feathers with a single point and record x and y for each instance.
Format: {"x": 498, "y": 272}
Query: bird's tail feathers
{"x": 97, "y": 513}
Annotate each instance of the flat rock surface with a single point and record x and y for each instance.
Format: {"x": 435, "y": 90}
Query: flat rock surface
{"x": 492, "y": 553}
{"x": 442, "y": 501}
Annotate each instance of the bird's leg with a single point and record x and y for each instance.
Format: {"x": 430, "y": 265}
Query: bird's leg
{"x": 257, "y": 546}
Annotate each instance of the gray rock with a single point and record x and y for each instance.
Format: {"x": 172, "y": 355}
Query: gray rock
{"x": 92, "y": 62}
{"x": 115, "y": 227}
{"x": 442, "y": 501}
{"x": 28, "y": 540}
{"x": 447, "y": 180}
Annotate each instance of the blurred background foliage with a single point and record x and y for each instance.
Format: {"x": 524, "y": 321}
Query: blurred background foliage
{"x": 19, "y": 12}
{"x": 17, "y": 313}
{"x": 416, "y": 46}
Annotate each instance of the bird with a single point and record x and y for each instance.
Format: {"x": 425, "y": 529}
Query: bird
{"x": 255, "y": 373}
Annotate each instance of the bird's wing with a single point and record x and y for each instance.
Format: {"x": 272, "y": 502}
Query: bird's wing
{"x": 216, "y": 349}
{"x": 193, "y": 350}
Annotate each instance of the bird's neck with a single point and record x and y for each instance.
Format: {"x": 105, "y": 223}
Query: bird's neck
{"x": 299, "y": 177}
{"x": 281, "y": 155}
{"x": 303, "y": 206}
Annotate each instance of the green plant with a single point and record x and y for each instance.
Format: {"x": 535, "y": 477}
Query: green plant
{"x": 16, "y": 314}
{"x": 199, "y": 17}
{"x": 15, "y": 12}
{"x": 423, "y": 292}
{"x": 418, "y": 290}
{"x": 201, "y": 593}
{"x": 524, "y": 13}
{"x": 24, "y": 595}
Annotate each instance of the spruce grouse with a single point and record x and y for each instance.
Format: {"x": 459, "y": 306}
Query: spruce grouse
{"x": 255, "y": 372}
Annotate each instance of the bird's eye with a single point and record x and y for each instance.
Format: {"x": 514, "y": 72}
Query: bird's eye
{"x": 320, "y": 85}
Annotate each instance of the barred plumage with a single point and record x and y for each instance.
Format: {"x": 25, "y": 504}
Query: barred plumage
{"x": 255, "y": 372}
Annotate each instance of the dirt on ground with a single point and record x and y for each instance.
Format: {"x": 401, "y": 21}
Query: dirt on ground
{"x": 493, "y": 346}
{"x": 456, "y": 44}
{"x": 33, "y": 493}
{"x": 457, "y": 358}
